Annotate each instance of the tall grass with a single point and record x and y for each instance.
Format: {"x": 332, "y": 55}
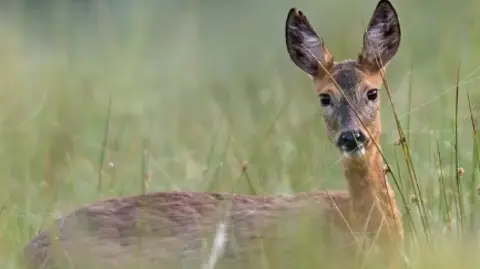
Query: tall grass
{"x": 109, "y": 98}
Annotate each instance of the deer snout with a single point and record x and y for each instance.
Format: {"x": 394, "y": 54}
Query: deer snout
{"x": 351, "y": 141}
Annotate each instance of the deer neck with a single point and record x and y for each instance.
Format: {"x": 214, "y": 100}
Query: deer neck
{"x": 373, "y": 200}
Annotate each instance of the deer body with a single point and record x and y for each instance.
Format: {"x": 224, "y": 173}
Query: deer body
{"x": 166, "y": 226}
{"x": 169, "y": 229}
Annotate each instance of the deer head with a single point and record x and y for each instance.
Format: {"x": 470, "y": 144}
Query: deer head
{"x": 348, "y": 90}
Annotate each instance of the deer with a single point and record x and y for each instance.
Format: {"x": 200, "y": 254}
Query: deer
{"x": 172, "y": 229}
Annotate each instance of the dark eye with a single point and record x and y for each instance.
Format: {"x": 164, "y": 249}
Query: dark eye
{"x": 325, "y": 99}
{"x": 372, "y": 95}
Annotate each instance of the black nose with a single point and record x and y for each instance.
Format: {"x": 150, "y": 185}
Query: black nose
{"x": 350, "y": 140}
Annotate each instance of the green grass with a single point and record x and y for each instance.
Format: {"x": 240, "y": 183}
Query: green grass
{"x": 109, "y": 98}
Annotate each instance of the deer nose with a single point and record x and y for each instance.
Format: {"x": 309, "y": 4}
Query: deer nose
{"x": 351, "y": 140}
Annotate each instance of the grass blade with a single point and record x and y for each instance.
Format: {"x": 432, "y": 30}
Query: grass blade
{"x": 104, "y": 145}
{"x": 475, "y": 164}
{"x": 409, "y": 163}
{"x": 461, "y": 211}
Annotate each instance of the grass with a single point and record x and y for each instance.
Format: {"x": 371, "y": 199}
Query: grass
{"x": 109, "y": 98}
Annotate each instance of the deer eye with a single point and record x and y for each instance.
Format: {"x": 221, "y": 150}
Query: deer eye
{"x": 372, "y": 95}
{"x": 325, "y": 99}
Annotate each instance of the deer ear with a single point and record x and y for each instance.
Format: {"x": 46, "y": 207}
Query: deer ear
{"x": 382, "y": 37}
{"x": 305, "y": 48}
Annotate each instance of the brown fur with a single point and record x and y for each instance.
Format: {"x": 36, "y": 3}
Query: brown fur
{"x": 168, "y": 229}
{"x": 167, "y": 225}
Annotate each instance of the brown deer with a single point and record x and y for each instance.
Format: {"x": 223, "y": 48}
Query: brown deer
{"x": 172, "y": 229}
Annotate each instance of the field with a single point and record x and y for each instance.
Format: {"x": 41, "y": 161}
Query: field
{"x": 108, "y": 98}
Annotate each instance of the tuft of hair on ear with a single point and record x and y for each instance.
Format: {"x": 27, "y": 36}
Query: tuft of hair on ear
{"x": 382, "y": 37}
{"x": 305, "y": 47}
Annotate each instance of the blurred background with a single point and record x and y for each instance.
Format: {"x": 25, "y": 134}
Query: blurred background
{"x": 103, "y": 98}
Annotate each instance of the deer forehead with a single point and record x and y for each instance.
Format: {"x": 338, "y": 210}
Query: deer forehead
{"x": 348, "y": 78}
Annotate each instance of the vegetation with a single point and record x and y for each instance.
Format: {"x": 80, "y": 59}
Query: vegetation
{"x": 108, "y": 98}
